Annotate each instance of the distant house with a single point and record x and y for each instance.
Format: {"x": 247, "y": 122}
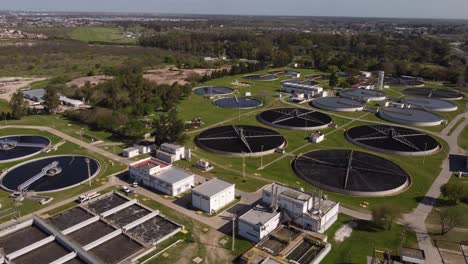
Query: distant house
{"x": 37, "y": 95}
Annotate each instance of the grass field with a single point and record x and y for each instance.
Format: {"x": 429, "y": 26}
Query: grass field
{"x": 364, "y": 238}
{"x": 101, "y": 34}
{"x": 463, "y": 139}
{"x": 450, "y": 239}
{"x": 28, "y": 206}
{"x": 422, "y": 170}
{"x": 4, "y": 106}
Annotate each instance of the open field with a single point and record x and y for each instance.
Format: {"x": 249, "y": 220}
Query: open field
{"x": 100, "y": 34}
{"x": 73, "y": 58}
{"x": 364, "y": 238}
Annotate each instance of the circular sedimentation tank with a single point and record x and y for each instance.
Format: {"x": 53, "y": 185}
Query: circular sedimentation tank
{"x": 337, "y": 104}
{"x": 298, "y": 81}
{"x": 40, "y": 175}
{"x": 431, "y": 104}
{"x": 351, "y": 172}
{"x": 242, "y": 102}
{"x": 213, "y": 90}
{"x": 295, "y": 119}
{"x": 240, "y": 140}
{"x": 393, "y": 139}
{"x": 16, "y": 147}
{"x": 443, "y": 94}
{"x": 259, "y": 77}
{"x": 363, "y": 94}
{"x": 410, "y": 116}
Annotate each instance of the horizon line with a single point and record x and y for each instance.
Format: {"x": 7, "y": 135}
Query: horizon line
{"x": 220, "y": 14}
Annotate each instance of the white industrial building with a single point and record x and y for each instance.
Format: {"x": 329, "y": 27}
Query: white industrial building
{"x": 309, "y": 91}
{"x": 309, "y": 211}
{"x": 138, "y": 149}
{"x": 258, "y": 223}
{"x": 170, "y": 153}
{"x": 213, "y": 195}
{"x": 161, "y": 176}
{"x": 130, "y": 152}
{"x": 37, "y": 96}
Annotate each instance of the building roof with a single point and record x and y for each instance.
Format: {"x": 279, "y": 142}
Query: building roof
{"x": 130, "y": 149}
{"x": 172, "y": 146}
{"x": 172, "y": 175}
{"x": 70, "y": 100}
{"x": 412, "y": 253}
{"x": 35, "y": 93}
{"x": 289, "y": 192}
{"x": 258, "y": 215}
{"x": 212, "y": 187}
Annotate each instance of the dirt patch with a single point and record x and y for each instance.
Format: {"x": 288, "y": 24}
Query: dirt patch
{"x": 94, "y": 80}
{"x": 9, "y": 85}
{"x": 345, "y": 231}
{"x": 171, "y": 74}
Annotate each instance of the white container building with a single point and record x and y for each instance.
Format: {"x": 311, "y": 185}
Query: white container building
{"x": 130, "y": 152}
{"x": 213, "y": 195}
{"x": 161, "y": 176}
{"x": 257, "y": 223}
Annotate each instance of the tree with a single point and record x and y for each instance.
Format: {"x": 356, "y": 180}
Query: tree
{"x": 51, "y": 99}
{"x": 454, "y": 191}
{"x": 386, "y": 214}
{"x": 18, "y": 105}
{"x": 133, "y": 129}
{"x": 449, "y": 218}
{"x": 333, "y": 81}
{"x": 168, "y": 129}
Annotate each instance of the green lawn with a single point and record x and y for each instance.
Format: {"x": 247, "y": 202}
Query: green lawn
{"x": 4, "y": 106}
{"x": 450, "y": 239}
{"x": 101, "y": 34}
{"x": 463, "y": 139}
{"x": 364, "y": 238}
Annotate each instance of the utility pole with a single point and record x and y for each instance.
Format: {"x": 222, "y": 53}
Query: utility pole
{"x": 425, "y": 148}
{"x": 233, "y": 230}
{"x": 89, "y": 171}
{"x": 243, "y": 165}
{"x": 261, "y": 160}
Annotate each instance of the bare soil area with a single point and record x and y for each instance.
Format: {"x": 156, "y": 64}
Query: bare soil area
{"x": 9, "y": 85}
{"x": 93, "y": 80}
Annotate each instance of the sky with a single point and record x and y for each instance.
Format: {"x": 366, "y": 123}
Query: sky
{"x": 452, "y": 9}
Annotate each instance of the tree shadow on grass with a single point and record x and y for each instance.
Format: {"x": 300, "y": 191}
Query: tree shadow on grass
{"x": 437, "y": 202}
